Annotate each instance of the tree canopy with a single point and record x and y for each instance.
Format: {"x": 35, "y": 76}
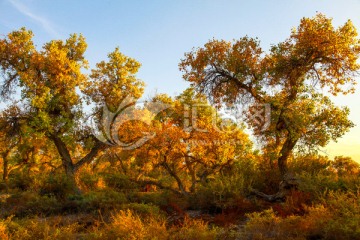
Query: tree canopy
{"x": 54, "y": 89}
{"x": 293, "y": 78}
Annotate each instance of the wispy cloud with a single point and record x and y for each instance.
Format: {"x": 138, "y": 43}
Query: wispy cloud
{"x": 40, "y": 20}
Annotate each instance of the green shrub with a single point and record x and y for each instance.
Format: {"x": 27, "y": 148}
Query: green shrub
{"x": 57, "y": 185}
{"x": 221, "y": 192}
{"x": 142, "y": 209}
{"x": 103, "y": 200}
{"x": 316, "y": 185}
{"x": 159, "y": 198}
{"x": 119, "y": 182}
{"x": 30, "y": 203}
{"x": 37, "y": 228}
{"x": 20, "y": 180}
{"x": 89, "y": 181}
{"x": 310, "y": 164}
{"x": 225, "y": 189}
{"x": 345, "y": 211}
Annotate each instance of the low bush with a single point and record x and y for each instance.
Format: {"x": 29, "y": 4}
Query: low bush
{"x": 99, "y": 200}
{"x": 119, "y": 182}
{"x": 316, "y": 185}
{"x": 128, "y": 225}
{"x": 21, "y": 181}
{"x": 337, "y": 217}
{"x": 57, "y": 185}
{"x": 38, "y": 228}
{"x": 157, "y": 198}
{"x": 144, "y": 210}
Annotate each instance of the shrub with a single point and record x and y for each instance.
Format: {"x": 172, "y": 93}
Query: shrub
{"x": 101, "y": 200}
{"x": 90, "y": 181}
{"x": 229, "y": 188}
{"x": 295, "y": 204}
{"x": 37, "y": 228}
{"x": 119, "y": 182}
{"x": 316, "y": 185}
{"x": 193, "y": 229}
{"x": 220, "y": 192}
{"x": 29, "y": 203}
{"x": 345, "y": 210}
{"x": 3, "y": 230}
{"x": 311, "y": 164}
{"x": 128, "y": 225}
{"x": 337, "y": 217}
{"x": 144, "y": 210}
{"x": 159, "y": 198}
{"x": 57, "y": 185}
{"x": 20, "y": 180}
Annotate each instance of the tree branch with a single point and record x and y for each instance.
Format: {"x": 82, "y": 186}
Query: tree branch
{"x": 91, "y": 155}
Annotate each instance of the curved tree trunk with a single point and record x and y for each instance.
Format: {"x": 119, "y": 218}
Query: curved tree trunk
{"x": 5, "y": 173}
{"x": 192, "y": 174}
{"x": 174, "y": 175}
{"x": 6, "y": 170}
{"x": 289, "y": 181}
{"x": 284, "y": 155}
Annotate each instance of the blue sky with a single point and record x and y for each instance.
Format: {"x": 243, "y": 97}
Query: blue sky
{"x": 158, "y": 33}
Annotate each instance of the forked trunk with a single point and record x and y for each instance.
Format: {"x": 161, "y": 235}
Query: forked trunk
{"x": 70, "y": 168}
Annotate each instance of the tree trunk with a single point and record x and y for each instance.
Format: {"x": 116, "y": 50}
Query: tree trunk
{"x": 284, "y": 155}
{"x": 5, "y": 170}
{"x": 6, "y": 174}
{"x": 71, "y": 177}
{"x": 175, "y": 176}
{"x": 192, "y": 174}
{"x": 70, "y": 168}
{"x": 289, "y": 181}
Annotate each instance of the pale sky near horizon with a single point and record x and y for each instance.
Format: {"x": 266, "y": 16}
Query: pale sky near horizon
{"x": 158, "y": 33}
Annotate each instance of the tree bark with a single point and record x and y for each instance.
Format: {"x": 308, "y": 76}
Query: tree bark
{"x": 6, "y": 169}
{"x": 64, "y": 154}
{"x": 175, "y": 176}
{"x": 289, "y": 181}
{"x": 192, "y": 174}
{"x": 70, "y": 168}
{"x": 91, "y": 155}
{"x": 284, "y": 155}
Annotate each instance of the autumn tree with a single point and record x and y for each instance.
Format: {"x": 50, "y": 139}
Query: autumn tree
{"x": 292, "y": 78}
{"x": 10, "y": 139}
{"x": 54, "y": 90}
{"x": 190, "y": 143}
{"x": 345, "y": 165}
{"x": 21, "y": 150}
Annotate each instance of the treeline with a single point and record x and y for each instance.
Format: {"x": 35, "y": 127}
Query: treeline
{"x": 81, "y": 158}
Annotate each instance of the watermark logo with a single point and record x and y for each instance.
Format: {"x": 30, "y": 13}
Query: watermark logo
{"x": 107, "y": 128}
{"x": 258, "y": 116}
